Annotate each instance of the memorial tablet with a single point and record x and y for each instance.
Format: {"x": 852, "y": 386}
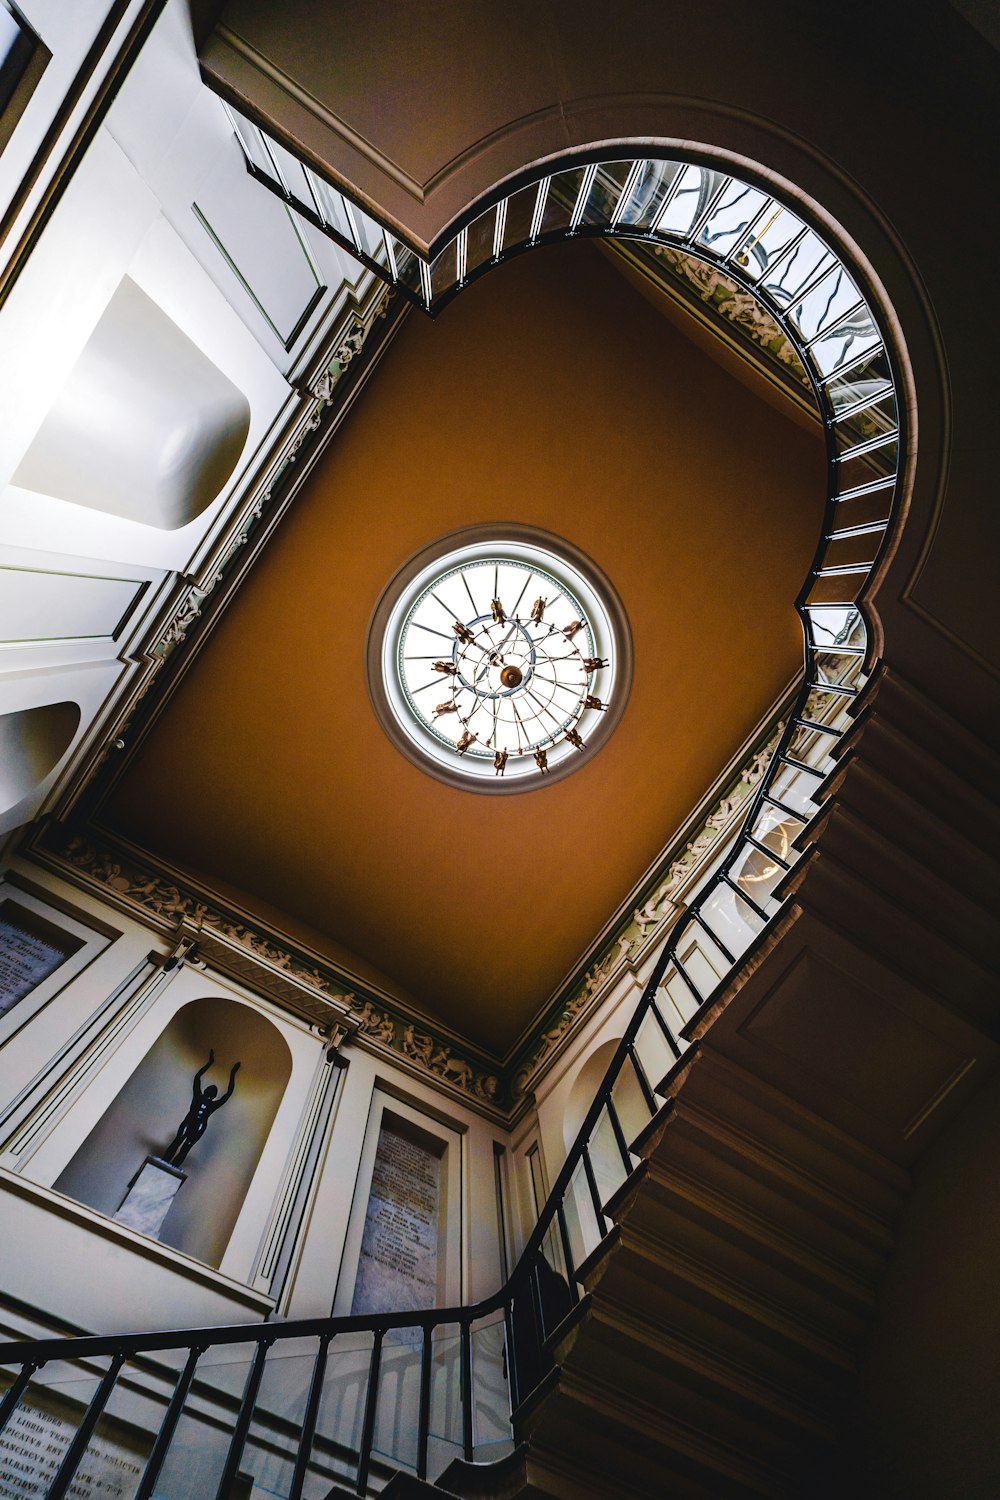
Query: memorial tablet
{"x": 398, "y": 1268}
{"x": 34, "y": 1443}
{"x": 31, "y": 949}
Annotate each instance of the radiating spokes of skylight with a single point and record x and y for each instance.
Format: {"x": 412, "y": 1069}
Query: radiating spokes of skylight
{"x": 498, "y": 660}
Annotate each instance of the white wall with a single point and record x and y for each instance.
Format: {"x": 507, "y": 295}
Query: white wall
{"x": 95, "y": 539}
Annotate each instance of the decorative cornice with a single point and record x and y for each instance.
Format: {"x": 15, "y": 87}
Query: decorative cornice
{"x": 196, "y": 598}
{"x": 343, "y": 1005}
{"x": 302, "y": 981}
{"x": 732, "y": 315}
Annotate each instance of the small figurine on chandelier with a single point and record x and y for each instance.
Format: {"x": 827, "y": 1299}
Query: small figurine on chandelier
{"x": 465, "y": 741}
{"x": 500, "y": 762}
{"x": 594, "y": 663}
{"x": 575, "y": 738}
{"x": 464, "y": 633}
{"x": 542, "y": 760}
{"x": 447, "y": 667}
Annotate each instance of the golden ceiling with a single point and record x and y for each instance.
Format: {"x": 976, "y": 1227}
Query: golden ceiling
{"x": 550, "y": 393}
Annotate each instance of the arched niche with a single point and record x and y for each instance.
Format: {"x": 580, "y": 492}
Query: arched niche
{"x": 146, "y": 426}
{"x": 32, "y": 743}
{"x": 604, "y": 1153}
{"x": 142, "y": 1118}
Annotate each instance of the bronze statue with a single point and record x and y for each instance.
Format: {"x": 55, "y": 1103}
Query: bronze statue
{"x": 194, "y": 1124}
{"x": 499, "y": 762}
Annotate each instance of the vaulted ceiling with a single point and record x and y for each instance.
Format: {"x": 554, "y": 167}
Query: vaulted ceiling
{"x": 550, "y": 393}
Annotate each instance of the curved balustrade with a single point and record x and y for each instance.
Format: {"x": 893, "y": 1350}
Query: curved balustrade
{"x": 305, "y": 1405}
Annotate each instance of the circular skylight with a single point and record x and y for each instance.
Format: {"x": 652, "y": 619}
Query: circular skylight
{"x": 499, "y": 658}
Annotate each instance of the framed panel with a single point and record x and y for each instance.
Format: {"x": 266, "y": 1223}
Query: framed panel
{"x": 404, "y": 1238}
{"x": 42, "y": 948}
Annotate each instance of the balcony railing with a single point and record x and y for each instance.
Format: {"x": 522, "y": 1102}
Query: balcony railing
{"x": 303, "y": 1406}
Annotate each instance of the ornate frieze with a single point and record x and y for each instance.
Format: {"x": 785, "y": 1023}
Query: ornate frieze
{"x": 702, "y": 282}
{"x": 339, "y": 1003}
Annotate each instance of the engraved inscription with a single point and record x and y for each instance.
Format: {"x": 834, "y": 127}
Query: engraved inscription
{"x": 34, "y": 1443}
{"x": 398, "y": 1268}
{"x": 30, "y": 950}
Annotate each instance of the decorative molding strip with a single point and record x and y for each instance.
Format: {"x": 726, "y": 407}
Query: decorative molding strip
{"x": 341, "y": 1004}
{"x": 639, "y": 933}
{"x": 252, "y": 523}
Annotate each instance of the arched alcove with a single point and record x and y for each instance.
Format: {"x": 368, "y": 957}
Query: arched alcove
{"x": 32, "y": 742}
{"x": 632, "y": 1112}
{"x": 146, "y": 426}
{"x": 142, "y": 1118}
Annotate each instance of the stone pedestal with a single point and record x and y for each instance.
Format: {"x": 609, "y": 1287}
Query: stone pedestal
{"x": 150, "y": 1194}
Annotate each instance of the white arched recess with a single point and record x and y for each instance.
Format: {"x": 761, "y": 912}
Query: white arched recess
{"x": 145, "y": 427}
{"x": 133, "y": 1076}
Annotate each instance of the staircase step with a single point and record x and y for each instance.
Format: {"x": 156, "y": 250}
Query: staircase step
{"x": 692, "y": 1303}
{"x": 623, "y": 1445}
{"x": 641, "y": 1365}
{"x": 688, "y": 1213}
{"x": 848, "y": 1185}
{"x": 702, "y": 1148}
{"x": 933, "y": 960}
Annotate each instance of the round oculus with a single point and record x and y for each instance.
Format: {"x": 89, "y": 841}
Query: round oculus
{"x": 499, "y": 658}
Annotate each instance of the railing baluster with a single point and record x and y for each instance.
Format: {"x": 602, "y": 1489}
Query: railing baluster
{"x": 78, "y": 1447}
{"x": 243, "y": 1419}
{"x": 644, "y": 1084}
{"x": 512, "y": 1381}
{"x": 171, "y": 1417}
{"x": 467, "y": 1390}
{"x": 371, "y": 1402}
{"x": 574, "y": 1290}
{"x": 741, "y": 893}
{"x": 712, "y": 934}
{"x": 308, "y": 1432}
{"x": 619, "y": 1134}
{"x": 424, "y": 1416}
{"x": 668, "y": 1035}
{"x": 536, "y": 1304}
{"x": 595, "y": 1197}
{"x": 11, "y": 1400}
{"x": 768, "y": 853}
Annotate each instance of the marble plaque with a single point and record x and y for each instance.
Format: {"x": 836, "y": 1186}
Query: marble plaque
{"x": 34, "y": 1442}
{"x": 398, "y": 1267}
{"x": 150, "y": 1196}
{"x": 30, "y": 950}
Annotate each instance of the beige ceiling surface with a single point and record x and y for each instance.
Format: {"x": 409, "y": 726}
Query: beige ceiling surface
{"x": 549, "y": 393}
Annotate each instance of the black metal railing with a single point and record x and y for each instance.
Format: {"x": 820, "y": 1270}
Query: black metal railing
{"x": 307, "y": 1405}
